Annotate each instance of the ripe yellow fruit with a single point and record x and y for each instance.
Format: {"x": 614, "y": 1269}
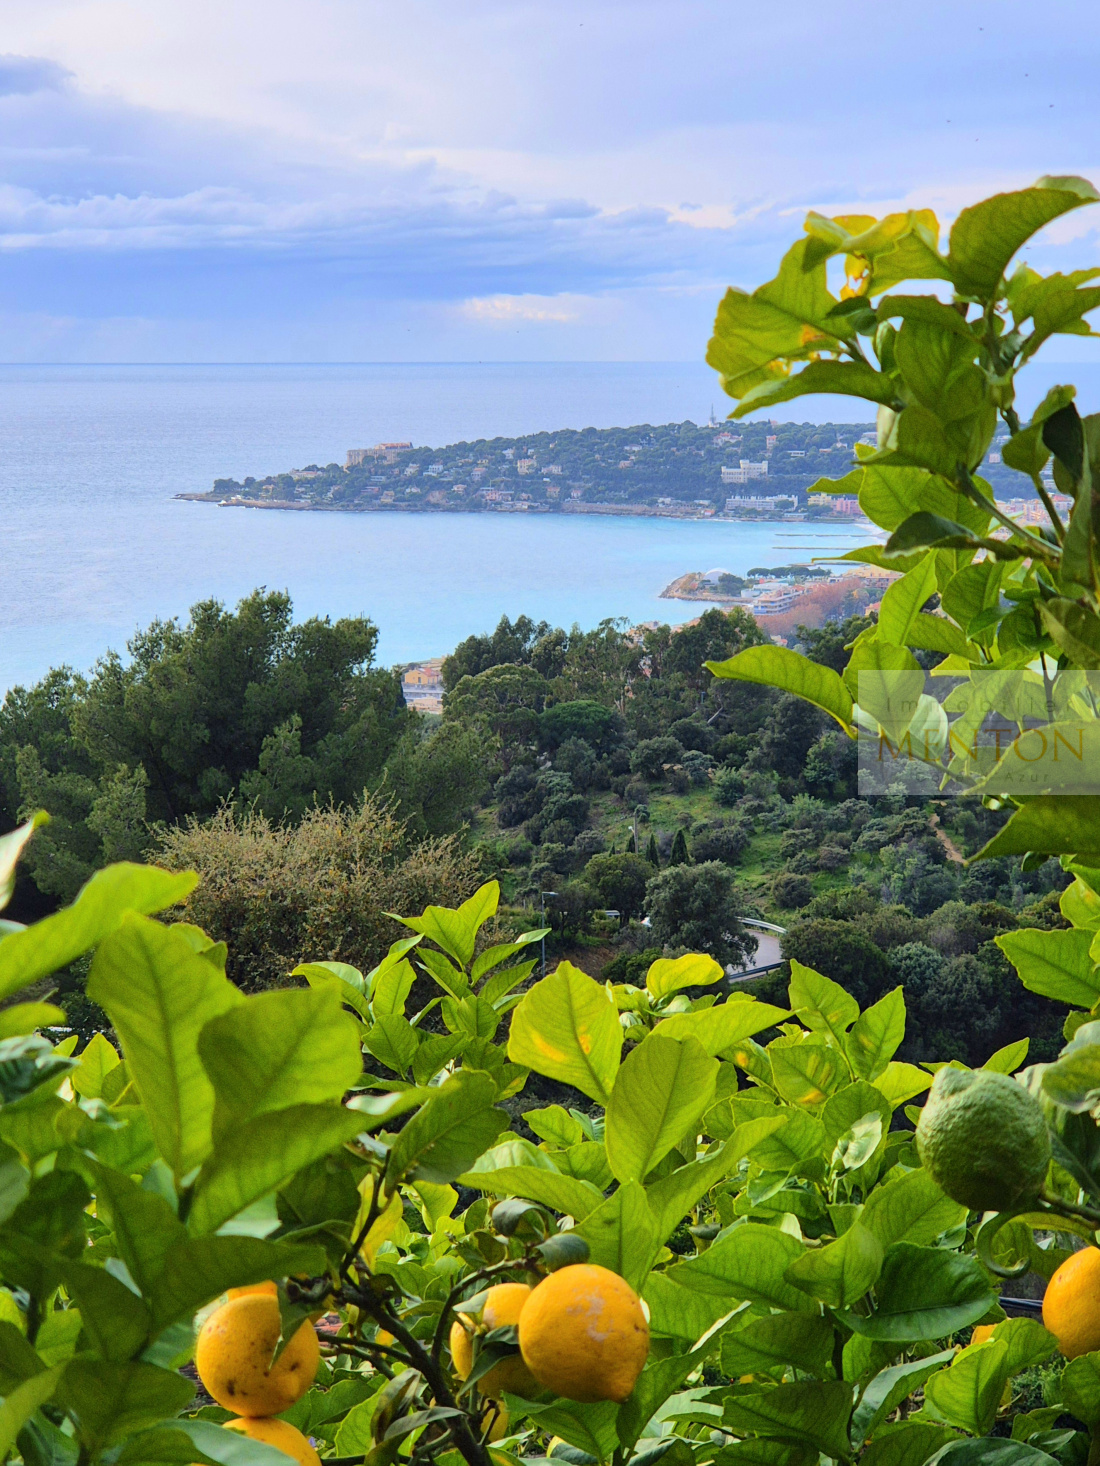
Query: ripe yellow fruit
{"x": 503, "y": 1306}
{"x": 499, "y": 1427}
{"x": 583, "y": 1334}
{"x": 270, "y": 1290}
{"x": 982, "y": 1332}
{"x": 1071, "y": 1304}
{"x": 280, "y": 1434}
{"x": 234, "y": 1351}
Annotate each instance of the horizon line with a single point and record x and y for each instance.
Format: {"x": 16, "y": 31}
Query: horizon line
{"x": 502, "y": 361}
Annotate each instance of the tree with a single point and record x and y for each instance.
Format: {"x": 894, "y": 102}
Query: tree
{"x": 697, "y": 907}
{"x": 728, "y": 787}
{"x": 598, "y": 726}
{"x": 841, "y": 952}
{"x": 234, "y": 702}
{"x": 575, "y": 758}
{"x": 600, "y": 665}
{"x": 437, "y": 778}
{"x": 510, "y": 642}
{"x": 506, "y": 700}
{"x": 651, "y": 755}
{"x": 828, "y": 644}
{"x": 619, "y": 881}
{"x": 792, "y": 728}
{"x": 651, "y": 854}
{"x": 679, "y": 854}
{"x": 714, "y": 637}
{"x": 196, "y": 703}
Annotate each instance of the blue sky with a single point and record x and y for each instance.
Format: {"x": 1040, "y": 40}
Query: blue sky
{"x": 274, "y": 180}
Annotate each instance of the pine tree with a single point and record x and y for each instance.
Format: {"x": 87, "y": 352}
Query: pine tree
{"x": 651, "y": 852}
{"x": 679, "y": 854}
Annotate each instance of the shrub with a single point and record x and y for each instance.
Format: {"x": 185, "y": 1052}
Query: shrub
{"x": 651, "y": 755}
{"x": 693, "y": 734}
{"x": 576, "y": 758}
{"x": 697, "y": 907}
{"x": 323, "y": 886}
{"x": 728, "y": 787}
{"x": 619, "y": 881}
{"x": 698, "y": 766}
{"x": 635, "y": 792}
{"x": 791, "y": 891}
{"x": 723, "y": 840}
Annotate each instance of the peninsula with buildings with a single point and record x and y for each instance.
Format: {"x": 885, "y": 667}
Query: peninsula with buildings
{"x": 753, "y": 470}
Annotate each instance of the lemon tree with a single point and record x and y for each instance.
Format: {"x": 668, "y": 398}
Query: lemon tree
{"x": 732, "y": 1182}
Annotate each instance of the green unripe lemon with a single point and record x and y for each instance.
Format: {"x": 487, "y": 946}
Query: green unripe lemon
{"x": 983, "y": 1139}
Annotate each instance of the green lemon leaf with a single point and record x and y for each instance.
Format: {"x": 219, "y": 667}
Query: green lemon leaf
{"x": 622, "y": 1234}
{"x": 876, "y": 1034}
{"x": 263, "y": 1154}
{"x": 660, "y": 1093}
{"x": 806, "y": 1073}
{"x": 841, "y": 1272}
{"x": 447, "y": 1135}
{"x": 820, "y": 1002}
{"x": 23, "y": 1401}
{"x": 567, "y": 1028}
{"x": 279, "y": 1049}
{"x": 564, "y": 1194}
{"x": 1081, "y": 1388}
{"x": 889, "y": 1388}
{"x": 750, "y": 1264}
{"x": 984, "y": 238}
{"x": 456, "y": 930}
{"x": 723, "y": 1026}
{"x": 924, "y": 1293}
{"x": 53, "y": 942}
{"x": 111, "y": 1401}
{"x": 813, "y": 1412}
{"x": 1055, "y": 964}
{"x": 11, "y": 848}
{"x": 681, "y": 1313}
{"x": 777, "y": 666}
{"x": 968, "y": 1392}
{"x": 911, "y": 1209}
{"x": 669, "y": 974}
{"x": 778, "y": 1341}
{"x": 159, "y": 994}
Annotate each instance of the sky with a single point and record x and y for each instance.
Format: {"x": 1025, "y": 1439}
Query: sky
{"x": 451, "y": 180}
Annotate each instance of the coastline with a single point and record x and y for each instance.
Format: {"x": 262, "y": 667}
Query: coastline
{"x": 567, "y": 510}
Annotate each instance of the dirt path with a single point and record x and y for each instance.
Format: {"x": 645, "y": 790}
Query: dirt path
{"x": 953, "y": 851}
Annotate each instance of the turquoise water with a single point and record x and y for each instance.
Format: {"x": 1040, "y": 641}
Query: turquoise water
{"x": 95, "y": 546}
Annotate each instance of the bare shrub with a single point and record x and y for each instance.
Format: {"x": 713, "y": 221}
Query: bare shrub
{"x": 315, "y": 891}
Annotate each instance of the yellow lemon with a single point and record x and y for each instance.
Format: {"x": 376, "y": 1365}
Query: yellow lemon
{"x": 503, "y": 1306}
{"x": 277, "y": 1433}
{"x": 584, "y": 1335}
{"x": 234, "y": 1351}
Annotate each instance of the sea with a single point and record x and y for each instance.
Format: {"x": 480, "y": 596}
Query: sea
{"x": 93, "y": 545}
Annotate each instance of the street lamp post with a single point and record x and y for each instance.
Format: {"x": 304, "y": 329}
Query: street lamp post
{"x": 633, "y": 823}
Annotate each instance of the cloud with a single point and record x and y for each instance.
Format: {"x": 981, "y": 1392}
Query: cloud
{"x": 22, "y": 75}
{"x": 459, "y": 176}
{"x": 506, "y": 310}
